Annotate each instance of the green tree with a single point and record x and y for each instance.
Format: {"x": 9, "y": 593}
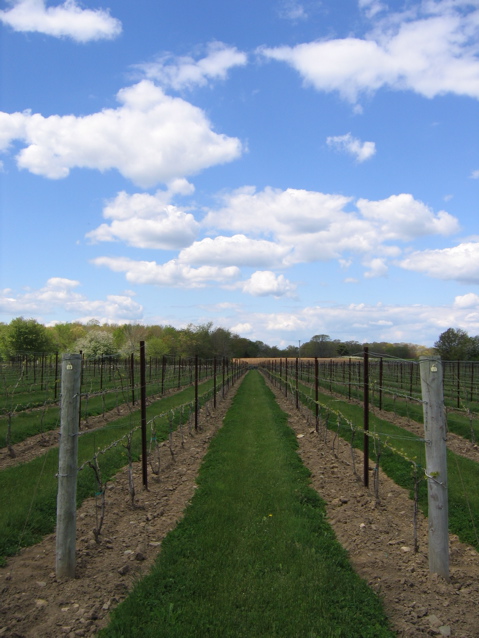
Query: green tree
{"x": 65, "y": 335}
{"x": 157, "y": 347}
{"x": 454, "y": 345}
{"x": 28, "y": 336}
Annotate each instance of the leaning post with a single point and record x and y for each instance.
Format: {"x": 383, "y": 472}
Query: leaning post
{"x": 435, "y": 434}
{"x": 68, "y": 465}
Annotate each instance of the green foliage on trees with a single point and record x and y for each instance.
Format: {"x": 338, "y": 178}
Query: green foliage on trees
{"x": 65, "y": 335}
{"x": 204, "y": 340}
{"x": 456, "y": 345}
{"x": 26, "y": 336}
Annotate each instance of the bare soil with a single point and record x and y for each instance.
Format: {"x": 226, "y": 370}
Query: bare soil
{"x": 377, "y": 535}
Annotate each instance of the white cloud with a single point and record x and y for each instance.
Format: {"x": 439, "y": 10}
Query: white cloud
{"x": 60, "y": 294}
{"x": 362, "y": 151}
{"x": 319, "y": 227}
{"x": 146, "y": 221}
{"x": 377, "y": 268}
{"x": 150, "y": 138}
{"x": 460, "y": 263}
{"x": 475, "y": 174}
{"x": 293, "y": 10}
{"x": 64, "y": 20}
{"x": 172, "y": 273}
{"x": 186, "y": 72}
{"x": 242, "y": 328}
{"x": 431, "y": 50}
{"x": 372, "y": 7}
{"x": 265, "y": 284}
{"x": 421, "y": 324}
{"x": 405, "y": 218}
{"x": 470, "y": 300}
{"x": 238, "y": 250}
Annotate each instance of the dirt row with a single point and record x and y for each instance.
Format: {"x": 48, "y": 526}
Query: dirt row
{"x": 377, "y": 535}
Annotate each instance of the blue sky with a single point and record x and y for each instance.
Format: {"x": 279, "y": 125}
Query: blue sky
{"x": 280, "y": 168}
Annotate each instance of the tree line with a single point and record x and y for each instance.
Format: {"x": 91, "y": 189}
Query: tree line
{"x": 206, "y": 341}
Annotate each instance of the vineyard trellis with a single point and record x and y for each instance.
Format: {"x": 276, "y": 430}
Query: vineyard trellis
{"x": 357, "y": 380}
{"x": 66, "y": 506}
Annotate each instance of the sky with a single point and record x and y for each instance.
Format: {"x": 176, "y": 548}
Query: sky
{"x": 282, "y": 168}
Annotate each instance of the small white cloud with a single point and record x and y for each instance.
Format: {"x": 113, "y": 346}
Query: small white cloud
{"x": 460, "y": 263}
{"x": 372, "y": 7}
{"x": 475, "y": 174}
{"x": 403, "y": 217}
{"x": 146, "y": 221}
{"x": 265, "y": 283}
{"x": 471, "y": 300}
{"x": 293, "y": 10}
{"x": 170, "y": 274}
{"x": 242, "y": 328}
{"x": 186, "y": 72}
{"x": 362, "y": 151}
{"x": 64, "y": 20}
{"x": 377, "y": 268}
{"x": 237, "y": 250}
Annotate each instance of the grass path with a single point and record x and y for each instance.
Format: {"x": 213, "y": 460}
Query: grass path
{"x": 254, "y": 556}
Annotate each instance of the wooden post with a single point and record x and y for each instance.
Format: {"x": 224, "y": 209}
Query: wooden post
{"x": 67, "y": 465}
{"x": 144, "y": 453}
{"x": 436, "y": 464}
{"x": 296, "y": 385}
{"x": 366, "y": 416}
{"x": 132, "y": 377}
{"x": 196, "y": 394}
{"x": 214, "y": 382}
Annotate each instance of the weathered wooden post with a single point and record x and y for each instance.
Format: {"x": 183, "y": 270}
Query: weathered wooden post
{"x": 144, "y": 452}
{"x": 435, "y": 434}
{"x": 67, "y": 465}
{"x": 366, "y": 416}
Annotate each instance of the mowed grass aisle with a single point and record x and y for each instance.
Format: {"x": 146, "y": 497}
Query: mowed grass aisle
{"x": 253, "y": 556}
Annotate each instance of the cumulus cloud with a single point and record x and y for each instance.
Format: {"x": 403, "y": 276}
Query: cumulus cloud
{"x": 377, "y": 268}
{"x": 237, "y": 250}
{"x": 146, "y": 221}
{"x": 150, "y": 138}
{"x": 362, "y": 151}
{"x": 320, "y": 228}
{"x": 64, "y": 20}
{"x": 460, "y": 263}
{"x": 265, "y": 284}
{"x": 186, "y": 72}
{"x": 61, "y": 294}
{"x": 470, "y": 300}
{"x": 405, "y": 218}
{"x": 172, "y": 273}
{"x": 431, "y": 50}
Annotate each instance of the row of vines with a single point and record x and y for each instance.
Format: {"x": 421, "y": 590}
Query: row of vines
{"x": 109, "y": 435}
{"x": 375, "y": 405}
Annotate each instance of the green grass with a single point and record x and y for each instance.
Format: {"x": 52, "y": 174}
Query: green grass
{"x": 25, "y": 424}
{"x": 28, "y": 491}
{"x": 254, "y": 556}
